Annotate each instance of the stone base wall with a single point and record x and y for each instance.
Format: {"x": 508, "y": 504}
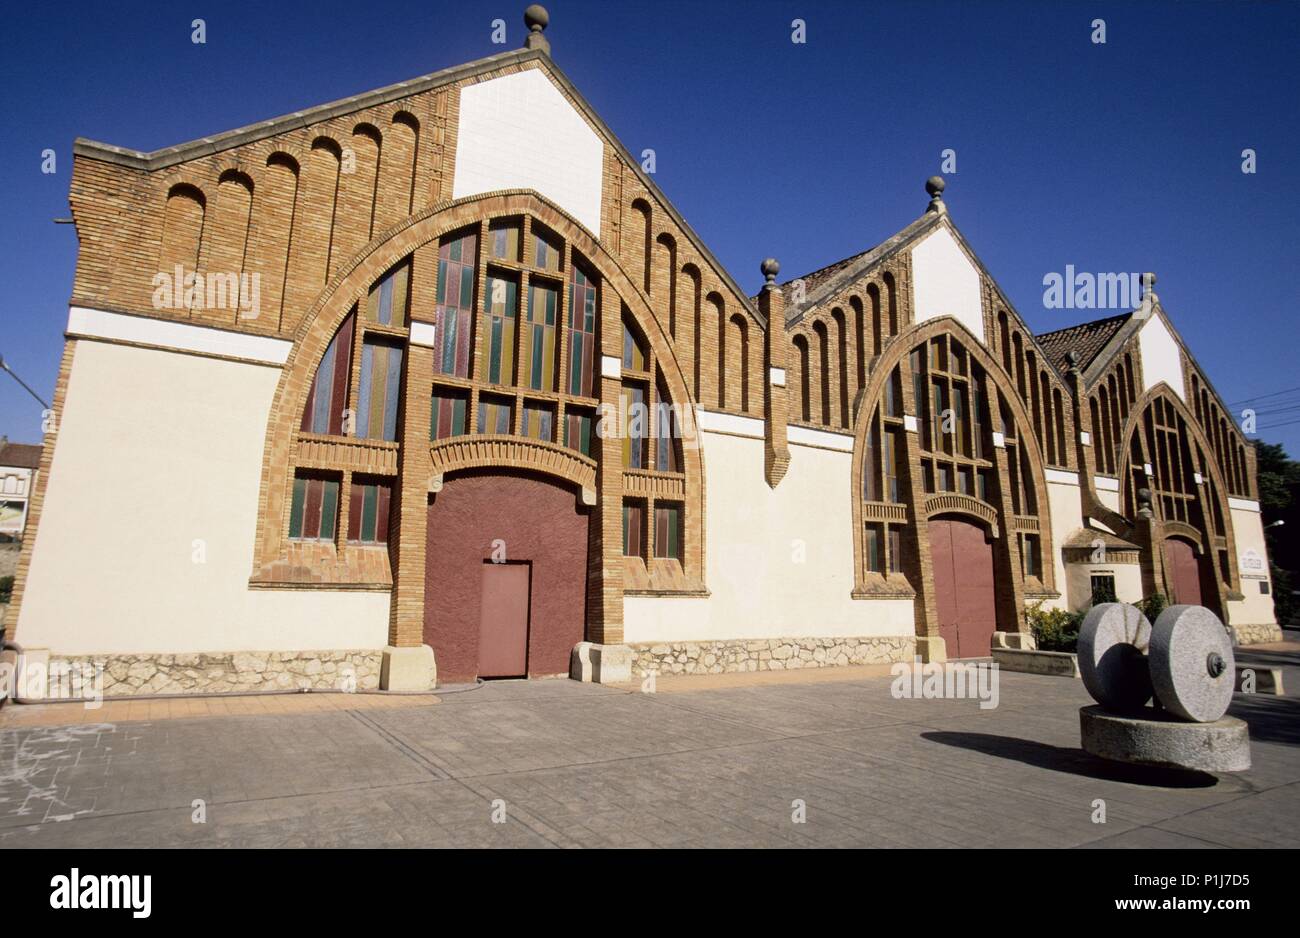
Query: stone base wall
{"x": 775, "y": 654}
{"x": 1257, "y": 634}
{"x": 216, "y": 672}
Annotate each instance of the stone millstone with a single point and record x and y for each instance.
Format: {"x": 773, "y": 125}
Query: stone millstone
{"x": 1156, "y": 739}
{"x": 1192, "y": 667}
{"x": 1112, "y": 663}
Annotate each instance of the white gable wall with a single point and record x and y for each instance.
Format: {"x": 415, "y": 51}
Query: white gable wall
{"x": 945, "y": 282}
{"x": 520, "y": 132}
{"x": 1162, "y": 359}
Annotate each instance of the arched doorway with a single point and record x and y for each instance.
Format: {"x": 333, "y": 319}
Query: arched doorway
{"x": 505, "y": 575}
{"x": 961, "y": 554}
{"x": 1183, "y": 572}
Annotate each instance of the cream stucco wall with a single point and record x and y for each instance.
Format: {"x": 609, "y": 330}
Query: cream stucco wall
{"x": 158, "y": 450}
{"x": 780, "y": 562}
{"x": 1078, "y": 585}
{"x": 1063, "y": 500}
{"x": 1256, "y": 608}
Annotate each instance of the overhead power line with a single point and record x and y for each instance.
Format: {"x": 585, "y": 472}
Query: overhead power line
{"x": 1261, "y": 397}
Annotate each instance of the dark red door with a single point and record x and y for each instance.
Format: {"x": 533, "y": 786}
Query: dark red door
{"x": 1183, "y": 572}
{"x": 962, "y": 562}
{"x": 503, "y": 621}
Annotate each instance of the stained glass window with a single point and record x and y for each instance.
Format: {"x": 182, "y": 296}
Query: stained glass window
{"x": 386, "y": 303}
{"x": 547, "y": 251}
{"x": 455, "y": 305}
{"x": 633, "y": 529}
{"x": 381, "y": 380}
{"x": 634, "y": 427}
{"x": 314, "y": 511}
{"x": 539, "y": 421}
{"x": 634, "y": 356}
{"x": 368, "y": 509}
{"x": 539, "y": 336}
{"x": 668, "y": 531}
{"x": 495, "y": 414}
{"x": 497, "y": 340}
{"x": 448, "y": 417}
{"x": 582, "y": 333}
{"x": 328, "y": 396}
{"x": 503, "y": 239}
{"x": 578, "y": 430}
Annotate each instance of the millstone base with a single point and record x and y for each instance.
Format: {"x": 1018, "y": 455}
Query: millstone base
{"x": 1153, "y": 738}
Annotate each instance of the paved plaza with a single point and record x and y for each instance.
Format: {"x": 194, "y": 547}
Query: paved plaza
{"x": 826, "y": 759}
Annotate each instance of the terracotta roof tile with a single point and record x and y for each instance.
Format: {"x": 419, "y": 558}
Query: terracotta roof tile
{"x": 22, "y": 455}
{"x": 1086, "y": 338}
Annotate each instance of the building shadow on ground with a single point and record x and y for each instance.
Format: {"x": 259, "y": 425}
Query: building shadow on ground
{"x": 1072, "y": 761}
{"x": 1271, "y": 719}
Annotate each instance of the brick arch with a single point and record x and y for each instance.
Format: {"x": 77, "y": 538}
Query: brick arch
{"x": 478, "y": 451}
{"x": 350, "y": 283}
{"x": 893, "y": 355}
{"x": 1197, "y": 436}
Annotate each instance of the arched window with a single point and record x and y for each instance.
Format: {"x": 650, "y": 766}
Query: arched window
{"x": 328, "y": 396}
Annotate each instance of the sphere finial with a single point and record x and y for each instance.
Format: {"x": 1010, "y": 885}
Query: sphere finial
{"x": 935, "y": 186}
{"x": 536, "y": 19}
{"x": 770, "y": 268}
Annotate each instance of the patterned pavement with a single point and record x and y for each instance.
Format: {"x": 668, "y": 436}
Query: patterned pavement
{"x": 822, "y": 760}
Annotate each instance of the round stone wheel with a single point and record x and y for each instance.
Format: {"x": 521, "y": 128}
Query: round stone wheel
{"x": 1112, "y": 662}
{"x": 1192, "y": 666}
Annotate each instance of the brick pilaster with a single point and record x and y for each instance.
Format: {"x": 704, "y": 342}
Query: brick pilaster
{"x": 776, "y": 449}
{"x": 605, "y": 549}
{"x": 411, "y": 517}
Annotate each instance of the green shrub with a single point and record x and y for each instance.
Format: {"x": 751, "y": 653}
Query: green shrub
{"x": 6, "y": 587}
{"x": 1054, "y": 629}
{"x": 1152, "y": 606}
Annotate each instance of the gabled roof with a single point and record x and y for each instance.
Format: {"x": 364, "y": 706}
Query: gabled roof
{"x": 1088, "y": 537}
{"x": 205, "y": 146}
{"x": 20, "y": 455}
{"x": 828, "y": 280}
{"x": 159, "y": 159}
{"x": 1089, "y": 339}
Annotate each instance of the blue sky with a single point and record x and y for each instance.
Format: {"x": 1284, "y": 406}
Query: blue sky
{"x": 1117, "y": 157}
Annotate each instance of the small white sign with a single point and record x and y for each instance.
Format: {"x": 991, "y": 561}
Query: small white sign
{"x": 999, "y": 440}
{"x": 423, "y": 333}
{"x": 611, "y": 366}
{"x": 777, "y": 377}
{"x": 909, "y": 423}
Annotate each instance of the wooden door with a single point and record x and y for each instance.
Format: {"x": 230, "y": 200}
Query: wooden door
{"x": 503, "y": 622}
{"x": 1183, "y": 572}
{"x": 965, "y": 595}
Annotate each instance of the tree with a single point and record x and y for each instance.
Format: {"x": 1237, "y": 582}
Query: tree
{"x": 1279, "y": 500}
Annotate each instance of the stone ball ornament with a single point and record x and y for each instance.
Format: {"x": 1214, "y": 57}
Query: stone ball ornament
{"x": 1192, "y": 667}
{"x": 1112, "y": 651}
{"x": 536, "y": 18}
